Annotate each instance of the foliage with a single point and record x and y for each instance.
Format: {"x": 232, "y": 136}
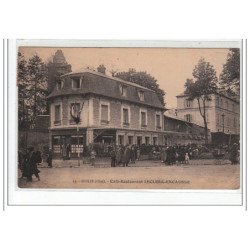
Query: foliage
{"x": 201, "y": 87}
{"x": 22, "y": 84}
{"x": 230, "y": 75}
{"x": 144, "y": 79}
{"x": 32, "y": 90}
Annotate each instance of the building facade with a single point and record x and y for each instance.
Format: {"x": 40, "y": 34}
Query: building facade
{"x": 223, "y": 113}
{"x": 110, "y": 111}
{"x": 180, "y": 131}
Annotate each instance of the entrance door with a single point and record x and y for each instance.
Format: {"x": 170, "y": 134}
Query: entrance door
{"x": 139, "y": 140}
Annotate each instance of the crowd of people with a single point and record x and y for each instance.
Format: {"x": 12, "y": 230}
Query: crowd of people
{"x": 122, "y": 155}
{"x": 29, "y": 160}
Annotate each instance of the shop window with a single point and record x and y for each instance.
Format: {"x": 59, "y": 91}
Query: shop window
{"x": 155, "y": 141}
{"x": 147, "y": 140}
{"x": 139, "y": 140}
{"x": 56, "y": 144}
{"x": 130, "y": 140}
{"x": 121, "y": 139}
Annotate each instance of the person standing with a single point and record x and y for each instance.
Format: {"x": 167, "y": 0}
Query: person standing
{"x": 133, "y": 154}
{"x": 234, "y": 154}
{"x": 113, "y": 157}
{"x": 126, "y": 156}
{"x": 119, "y": 155}
{"x": 138, "y": 153}
{"x": 64, "y": 151}
{"x": 68, "y": 151}
{"x": 32, "y": 165}
{"x": 92, "y": 157}
{"x": 49, "y": 159}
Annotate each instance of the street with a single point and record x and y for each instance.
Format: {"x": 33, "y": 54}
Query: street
{"x": 142, "y": 175}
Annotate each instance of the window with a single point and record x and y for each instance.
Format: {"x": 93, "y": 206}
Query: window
{"x": 121, "y": 139}
{"x": 158, "y": 121}
{"x": 147, "y": 140}
{"x": 56, "y": 144}
{"x": 76, "y": 83}
{"x": 188, "y": 118}
{"x": 143, "y": 119}
{"x": 59, "y": 85}
{"x": 57, "y": 115}
{"x": 104, "y": 113}
{"x": 75, "y": 111}
{"x": 141, "y": 95}
{"x": 155, "y": 139}
{"x": 139, "y": 140}
{"x": 123, "y": 90}
{"x": 125, "y": 116}
{"x": 188, "y": 103}
{"x": 130, "y": 139}
{"x": 233, "y": 107}
{"x": 235, "y": 122}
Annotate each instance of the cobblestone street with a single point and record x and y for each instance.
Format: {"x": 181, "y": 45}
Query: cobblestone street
{"x": 199, "y": 174}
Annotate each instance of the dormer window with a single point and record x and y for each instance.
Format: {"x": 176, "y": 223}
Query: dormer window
{"x": 59, "y": 85}
{"x": 123, "y": 90}
{"x": 141, "y": 95}
{"x": 76, "y": 83}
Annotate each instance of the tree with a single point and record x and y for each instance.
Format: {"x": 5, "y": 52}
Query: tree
{"x": 144, "y": 79}
{"x": 201, "y": 88}
{"x": 230, "y": 75}
{"x": 36, "y": 88}
{"x": 22, "y": 85}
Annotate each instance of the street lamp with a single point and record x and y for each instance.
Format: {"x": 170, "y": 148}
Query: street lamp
{"x": 76, "y": 114}
{"x": 223, "y": 122}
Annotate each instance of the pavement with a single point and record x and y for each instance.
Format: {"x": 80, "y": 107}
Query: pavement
{"x": 199, "y": 174}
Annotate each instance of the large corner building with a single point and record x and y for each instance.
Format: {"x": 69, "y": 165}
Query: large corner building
{"x": 112, "y": 111}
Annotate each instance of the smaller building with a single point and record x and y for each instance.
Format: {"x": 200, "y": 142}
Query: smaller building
{"x": 180, "y": 131}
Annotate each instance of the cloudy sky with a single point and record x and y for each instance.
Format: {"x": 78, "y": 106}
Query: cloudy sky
{"x": 170, "y": 66}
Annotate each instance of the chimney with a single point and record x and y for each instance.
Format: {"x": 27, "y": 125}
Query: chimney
{"x": 101, "y": 69}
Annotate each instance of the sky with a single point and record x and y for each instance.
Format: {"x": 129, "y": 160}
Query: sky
{"x": 170, "y": 66}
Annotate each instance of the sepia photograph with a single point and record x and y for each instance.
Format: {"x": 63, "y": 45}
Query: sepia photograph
{"x": 128, "y": 117}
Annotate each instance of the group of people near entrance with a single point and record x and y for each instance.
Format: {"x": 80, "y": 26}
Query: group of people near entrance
{"x": 124, "y": 155}
{"x": 179, "y": 154}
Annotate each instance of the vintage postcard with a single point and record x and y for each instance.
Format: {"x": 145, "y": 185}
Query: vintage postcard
{"x": 129, "y": 117}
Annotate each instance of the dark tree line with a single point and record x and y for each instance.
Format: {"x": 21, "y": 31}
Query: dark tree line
{"x": 32, "y": 90}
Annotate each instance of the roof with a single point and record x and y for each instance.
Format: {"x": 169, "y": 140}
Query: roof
{"x": 221, "y": 92}
{"x": 97, "y": 83}
{"x": 42, "y": 122}
{"x": 175, "y": 118}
